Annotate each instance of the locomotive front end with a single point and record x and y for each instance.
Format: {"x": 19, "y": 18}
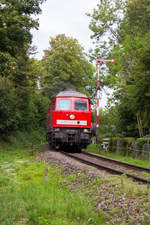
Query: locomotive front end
{"x": 69, "y": 120}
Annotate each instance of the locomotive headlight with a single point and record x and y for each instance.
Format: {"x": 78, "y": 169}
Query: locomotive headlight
{"x": 85, "y": 130}
{"x": 57, "y": 129}
{"x": 72, "y": 116}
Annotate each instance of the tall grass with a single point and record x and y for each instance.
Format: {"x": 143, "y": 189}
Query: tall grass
{"x": 40, "y": 203}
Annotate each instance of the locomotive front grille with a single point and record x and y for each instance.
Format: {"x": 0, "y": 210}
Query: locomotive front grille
{"x": 71, "y": 138}
{"x": 71, "y": 135}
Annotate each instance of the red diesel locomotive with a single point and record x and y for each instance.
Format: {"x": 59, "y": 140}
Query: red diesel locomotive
{"x": 69, "y": 120}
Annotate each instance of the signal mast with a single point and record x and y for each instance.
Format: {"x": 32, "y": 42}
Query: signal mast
{"x": 98, "y": 65}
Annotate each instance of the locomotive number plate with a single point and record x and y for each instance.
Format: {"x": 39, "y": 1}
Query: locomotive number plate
{"x": 72, "y": 122}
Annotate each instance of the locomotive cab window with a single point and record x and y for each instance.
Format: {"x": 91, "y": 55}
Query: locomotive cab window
{"x": 63, "y": 104}
{"x": 80, "y": 105}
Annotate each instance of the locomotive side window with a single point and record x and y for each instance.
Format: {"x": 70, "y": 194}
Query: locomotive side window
{"x": 80, "y": 105}
{"x": 63, "y": 104}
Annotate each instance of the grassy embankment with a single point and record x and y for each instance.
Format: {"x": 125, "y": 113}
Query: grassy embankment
{"x": 25, "y": 198}
{"x": 136, "y": 161}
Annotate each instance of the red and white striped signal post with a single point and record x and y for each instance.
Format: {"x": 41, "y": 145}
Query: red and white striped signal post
{"x": 98, "y": 65}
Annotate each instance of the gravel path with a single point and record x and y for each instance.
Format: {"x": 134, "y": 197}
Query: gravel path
{"x": 69, "y": 166}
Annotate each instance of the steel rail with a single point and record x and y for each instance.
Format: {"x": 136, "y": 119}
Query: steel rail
{"x": 109, "y": 169}
{"x": 116, "y": 161}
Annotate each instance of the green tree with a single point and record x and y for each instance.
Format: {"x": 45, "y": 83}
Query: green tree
{"x": 65, "y": 65}
{"x": 17, "y": 72}
{"x": 105, "y": 24}
{"x": 10, "y": 116}
{"x": 129, "y": 75}
{"x": 15, "y": 24}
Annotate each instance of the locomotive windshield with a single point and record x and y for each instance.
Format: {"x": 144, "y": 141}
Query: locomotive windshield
{"x": 80, "y": 105}
{"x": 63, "y": 104}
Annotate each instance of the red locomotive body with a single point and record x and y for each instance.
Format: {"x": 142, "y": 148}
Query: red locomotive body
{"x": 69, "y": 120}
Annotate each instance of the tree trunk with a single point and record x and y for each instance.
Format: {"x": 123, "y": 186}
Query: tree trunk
{"x": 139, "y": 121}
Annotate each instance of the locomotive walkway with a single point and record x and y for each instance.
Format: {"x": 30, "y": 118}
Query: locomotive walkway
{"x": 112, "y": 166}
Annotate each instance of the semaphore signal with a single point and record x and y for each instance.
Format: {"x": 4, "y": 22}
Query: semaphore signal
{"x": 98, "y": 62}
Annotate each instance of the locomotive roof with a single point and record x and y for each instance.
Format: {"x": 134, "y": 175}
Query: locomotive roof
{"x": 71, "y": 93}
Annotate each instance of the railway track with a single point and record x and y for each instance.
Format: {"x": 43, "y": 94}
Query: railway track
{"x": 138, "y": 173}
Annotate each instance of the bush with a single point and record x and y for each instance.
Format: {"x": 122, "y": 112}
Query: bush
{"x": 127, "y": 145}
{"x": 113, "y": 144}
{"x": 141, "y": 141}
{"x": 30, "y": 137}
{"x": 124, "y": 147}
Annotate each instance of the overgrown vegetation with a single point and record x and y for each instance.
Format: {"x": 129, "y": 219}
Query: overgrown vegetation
{"x": 26, "y": 198}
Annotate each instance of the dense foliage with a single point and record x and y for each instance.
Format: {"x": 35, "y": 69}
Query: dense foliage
{"x": 21, "y": 106}
{"x": 121, "y": 31}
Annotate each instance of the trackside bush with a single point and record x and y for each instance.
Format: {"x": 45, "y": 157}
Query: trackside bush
{"x": 128, "y": 145}
{"x": 141, "y": 141}
{"x": 113, "y": 144}
{"x": 123, "y": 146}
{"x": 28, "y": 138}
